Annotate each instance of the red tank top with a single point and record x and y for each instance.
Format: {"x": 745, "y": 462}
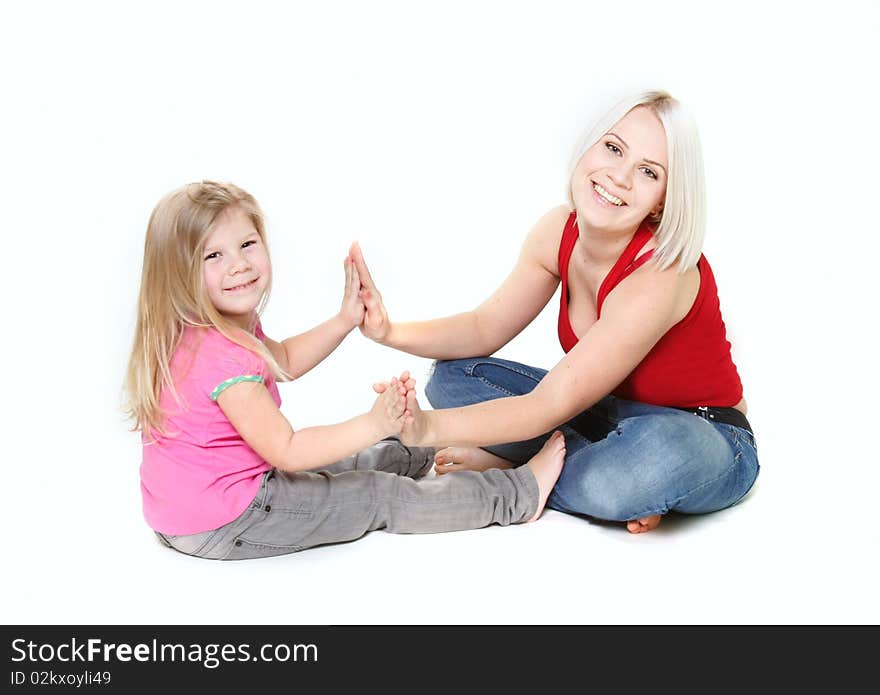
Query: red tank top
{"x": 690, "y": 365}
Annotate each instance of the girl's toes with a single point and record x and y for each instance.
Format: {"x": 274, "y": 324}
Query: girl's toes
{"x": 448, "y": 468}
{"x": 443, "y": 456}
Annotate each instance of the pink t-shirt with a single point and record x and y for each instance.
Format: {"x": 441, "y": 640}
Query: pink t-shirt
{"x": 202, "y": 474}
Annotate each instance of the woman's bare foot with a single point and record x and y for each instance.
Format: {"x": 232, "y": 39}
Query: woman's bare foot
{"x": 648, "y": 523}
{"x": 547, "y": 465}
{"x": 465, "y": 458}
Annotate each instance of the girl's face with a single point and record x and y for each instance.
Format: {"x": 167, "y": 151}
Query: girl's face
{"x": 236, "y": 266}
{"x": 622, "y": 178}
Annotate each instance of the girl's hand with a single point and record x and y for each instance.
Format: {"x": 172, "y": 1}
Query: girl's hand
{"x": 352, "y": 311}
{"x": 415, "y": 425}
{"x": 376, "y": 324}
{"x": 389, "y": 409}
{"x": 405, "y": 383}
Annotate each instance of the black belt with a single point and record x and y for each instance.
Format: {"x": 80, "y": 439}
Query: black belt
{"x": 728, "y": 416}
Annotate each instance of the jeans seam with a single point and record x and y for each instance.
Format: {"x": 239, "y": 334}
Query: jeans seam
{"x": 289, "y": 512}
{"x": 467, "y": 366}
{"x": 204, "y": 545}
{"x": 495, "y": 386}
{"x": 476, "y": 363}
{"x": 534, "y": 496}
{"x": 431, "y": 503}
{"x": 258, "y": 544}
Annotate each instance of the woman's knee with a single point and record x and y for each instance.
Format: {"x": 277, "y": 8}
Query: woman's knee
{"x": 445, "y": 381}
{"x": 605, "y": 497}
{"x": 454, "y": 383}
{"x": 649, "y": 465}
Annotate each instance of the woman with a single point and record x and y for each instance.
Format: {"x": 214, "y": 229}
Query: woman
{"x": 647, "y": 395}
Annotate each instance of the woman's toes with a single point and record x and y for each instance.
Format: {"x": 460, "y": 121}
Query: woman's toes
{"x": 647, "y": 523}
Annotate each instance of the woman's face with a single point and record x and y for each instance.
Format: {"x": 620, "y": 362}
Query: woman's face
{"x": 622, "y": 178}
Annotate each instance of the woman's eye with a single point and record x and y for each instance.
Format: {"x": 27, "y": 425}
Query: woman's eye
{"x": 649, "y": 172}
{"x": 212, "y": 255}
{"x": 614, "y": 148}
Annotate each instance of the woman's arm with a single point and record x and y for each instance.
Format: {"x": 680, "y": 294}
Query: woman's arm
{"x": 301, "y": 353}
{"x": 634, "y": 317}
{"x": 253, "y": 413}
{"x": 491, "y": 325}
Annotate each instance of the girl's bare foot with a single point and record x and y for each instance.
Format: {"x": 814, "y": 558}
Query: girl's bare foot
{"x": 648, "y": 523}
{"x": 465, "y": 458}
{"x": 547, "y": 465}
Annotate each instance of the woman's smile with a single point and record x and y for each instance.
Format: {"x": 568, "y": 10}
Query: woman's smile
{"x": 605, "y": 197}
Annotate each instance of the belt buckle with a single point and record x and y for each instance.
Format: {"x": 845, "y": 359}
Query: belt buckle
{"x": 704, "y": 412}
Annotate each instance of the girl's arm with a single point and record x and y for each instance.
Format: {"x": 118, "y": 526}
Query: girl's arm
{"x": 634, "y": 317}
{"x": 301, "y": 353}
{"x": 253, "y": 413}
{"x": 491, "y": 325}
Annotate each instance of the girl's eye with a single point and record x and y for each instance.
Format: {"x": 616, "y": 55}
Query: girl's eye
{"x": 210, "y": 256}
{"x": 649, "y": 172}
{"x": 248, "y": 243}
{"x": 614, "y": 148}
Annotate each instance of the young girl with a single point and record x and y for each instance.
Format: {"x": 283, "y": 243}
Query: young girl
{"x": 224, "y": 475}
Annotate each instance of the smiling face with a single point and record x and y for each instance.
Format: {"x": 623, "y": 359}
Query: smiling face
{"x": 236, "y": 266}
{"x": 621, "y": 179}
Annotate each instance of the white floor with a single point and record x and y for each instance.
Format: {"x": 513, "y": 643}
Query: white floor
{"x": 82, "y": 555}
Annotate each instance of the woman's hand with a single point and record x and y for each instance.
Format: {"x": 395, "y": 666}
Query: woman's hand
{"x": 389, "y": 410}
{"x": 415, "y": 427}
{"x": 376, "y": 324}
{"x": 352, "y": 311}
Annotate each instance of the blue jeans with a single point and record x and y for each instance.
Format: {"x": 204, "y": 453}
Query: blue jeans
{"x": 624, "y": 460}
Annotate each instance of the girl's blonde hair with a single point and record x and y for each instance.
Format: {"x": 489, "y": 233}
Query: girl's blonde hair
{"x": 682, "y": 226}
{"x": 173, "y": 293}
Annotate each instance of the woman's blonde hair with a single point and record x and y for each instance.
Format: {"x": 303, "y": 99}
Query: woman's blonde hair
{"x": 682, "y": 223}
{"x": 173, "y": 293}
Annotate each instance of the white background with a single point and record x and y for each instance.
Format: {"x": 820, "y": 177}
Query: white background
{"x": 436, "y": 135}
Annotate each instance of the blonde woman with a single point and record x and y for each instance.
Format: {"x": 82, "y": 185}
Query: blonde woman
{"x": 224, "y": 475}
{"x": 648, "y": 398}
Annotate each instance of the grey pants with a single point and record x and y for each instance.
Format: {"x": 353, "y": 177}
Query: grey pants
{"x": 374, "y": 489}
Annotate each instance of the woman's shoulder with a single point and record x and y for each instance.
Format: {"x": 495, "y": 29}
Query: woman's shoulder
{"x": 542, "y": 242}
{"x": 668, "y": 287}
{"x": 552, "y": 223}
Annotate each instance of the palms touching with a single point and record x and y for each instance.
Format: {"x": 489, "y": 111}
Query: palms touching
{"x": 375, "y": 325}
